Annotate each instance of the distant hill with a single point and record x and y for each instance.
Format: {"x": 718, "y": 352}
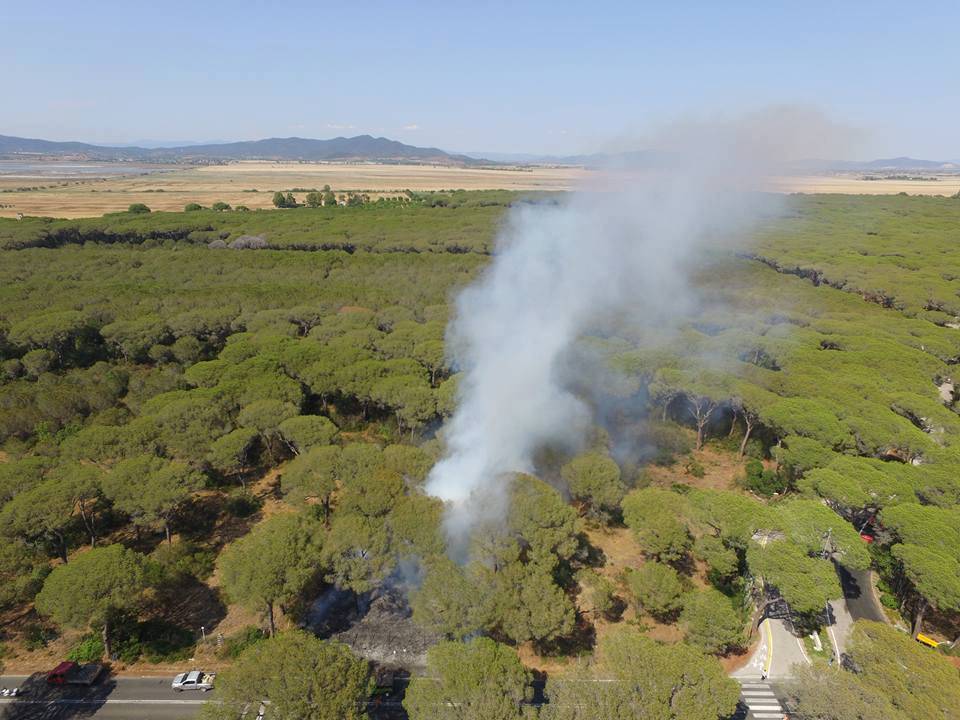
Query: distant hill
{"x": 629, "y": 159}
{"x": 359, "y": 148}
{"x": 903, "y": 163}
{"x": 899, "y": 164}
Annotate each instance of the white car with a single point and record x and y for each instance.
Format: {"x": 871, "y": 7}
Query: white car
{"x": 193, "y": 680}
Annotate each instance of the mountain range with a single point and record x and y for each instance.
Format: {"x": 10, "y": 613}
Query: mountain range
{"x": 359, "y": 148}
{"x": 366, "y": 148}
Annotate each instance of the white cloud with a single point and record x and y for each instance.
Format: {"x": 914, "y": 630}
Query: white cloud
{"x": 411, "y": 126}
{"x": 340, "y": 126}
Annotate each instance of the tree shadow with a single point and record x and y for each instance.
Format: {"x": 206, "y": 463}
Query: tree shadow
{"x": 192, "y": 604}
{"x": 40, "y": 701}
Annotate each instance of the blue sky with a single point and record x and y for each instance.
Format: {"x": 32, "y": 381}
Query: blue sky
{"x": 558, "y": 77}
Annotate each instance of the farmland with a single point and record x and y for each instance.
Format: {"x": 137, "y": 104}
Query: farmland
{"x": 75, "y": 190}
{"x": 188, "y": 413}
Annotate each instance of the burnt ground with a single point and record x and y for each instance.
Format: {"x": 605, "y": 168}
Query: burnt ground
{"x": 379, "y": 628}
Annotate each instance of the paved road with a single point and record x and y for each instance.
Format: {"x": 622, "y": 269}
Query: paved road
{"x": 779, "y": 649}
{"x": 859, "y": 603}
{"x": 759, "y": 701}
{"x": 109, "y": 699}
{"x": 859, "y": 596}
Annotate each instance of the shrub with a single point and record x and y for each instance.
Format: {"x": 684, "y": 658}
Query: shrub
{"x": 234, "y": 646}
{"x": 37, "y": 636}
{"x": 192, "y": 207}
{"x": 220, "y": 206}
{"x": 242, "y": 503}
{"x": 164, "y": 642}
{"x": 185, "y": 559}
{"x": 138, "y": 209}
{"x": 656, "y": 588}
{"x": 695, "y": 468}
{"x": 89, "y": 649}
{"x": 761, "y": 481}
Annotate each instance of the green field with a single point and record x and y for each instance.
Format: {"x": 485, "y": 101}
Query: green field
{"x": 151, "y": 386}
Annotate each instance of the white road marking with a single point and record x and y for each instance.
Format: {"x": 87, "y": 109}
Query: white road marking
{"x": 89, "y": 701}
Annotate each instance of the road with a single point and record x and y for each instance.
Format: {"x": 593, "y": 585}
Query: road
{"x": 152, "y": 699}
{"x": 859, "y": 603}
{"x": 110, "y": 699}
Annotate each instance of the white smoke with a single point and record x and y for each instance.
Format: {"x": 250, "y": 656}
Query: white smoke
{"x": 621, "y": 246}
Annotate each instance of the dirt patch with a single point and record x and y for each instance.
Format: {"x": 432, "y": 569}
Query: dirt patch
{"x": 721, "y": 470}
{"x": 619, "y": 547}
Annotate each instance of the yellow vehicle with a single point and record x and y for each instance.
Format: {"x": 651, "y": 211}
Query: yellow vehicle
{"x": 927, "y": 640}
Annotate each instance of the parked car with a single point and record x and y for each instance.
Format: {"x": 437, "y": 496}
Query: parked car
{"x": 193, "y": 680}
{"x": 71, "y": 673}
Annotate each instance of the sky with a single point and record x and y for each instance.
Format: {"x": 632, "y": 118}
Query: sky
{"x": 509, "y": 77}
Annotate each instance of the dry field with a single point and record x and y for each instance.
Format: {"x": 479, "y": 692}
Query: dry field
{"x": 852, "y": 184}
{"x": 172, "y": 188}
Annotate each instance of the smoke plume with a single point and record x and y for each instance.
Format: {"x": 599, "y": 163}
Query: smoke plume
{"x": 620, "y": 246}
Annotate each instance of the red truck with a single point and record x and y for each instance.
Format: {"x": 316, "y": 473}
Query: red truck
{"x": 71, "y": 673}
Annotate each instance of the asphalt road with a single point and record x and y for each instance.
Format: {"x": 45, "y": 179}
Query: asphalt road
{"x": 861, "y": 602}
{"x": 109, "y": 699}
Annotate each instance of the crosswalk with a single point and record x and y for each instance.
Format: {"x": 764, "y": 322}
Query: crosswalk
{"x": 761, "y": 702}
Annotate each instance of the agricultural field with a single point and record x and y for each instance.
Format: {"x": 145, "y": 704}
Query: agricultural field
{"x": 201, "y": 430}
{"x": 252, "y": 184}
{"x": 77, "y": 190}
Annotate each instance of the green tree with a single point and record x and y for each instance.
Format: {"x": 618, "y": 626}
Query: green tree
{"x": 329, "y": 199}
{"x": 655, "y": 588}
{"x": 279, "y": 200}
{"x": 313, "y": 475}
{"x": 302, "y": 677}
{"x": 314, "y": 199}
{"x": 722, "y": 561}
{"x": 266, "y": 416}
{"x": 93, "y": 588}
{"x": 134, "y": 338}
{"x": 82, "y": 484}
{"x": 653, "y": 515}
{"x": 43, "y": 513}
{"x": 600, "y": 593}
{"x": 935, "y": 578}
{"x": 272, "y": 564}
{"x": 151, "y": 489}
{"x": 528, "y": 605}
{"x": 357, "y": 553}
{"x": 304, "y": 431}
{"x": 820, "y": 693}
{"x": 22, "y": 571}
{"x": 229, "y": 455}
{"x": 920, "y": 683}
{"x": 594, "y": 479}
{"x": 644, "y": 679}
{"x": 220, "y": 206}
{"x": 711, "y": 622}
{"x": 192, "y": 207}
{"x": 411, "y": 462}
{"x": 138, "y": 209}
{"x": 806, "y": 583}
{"x": 544, "y": 525}
{"x": 476, "y": 680}
{"x": 449, "y": 601}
